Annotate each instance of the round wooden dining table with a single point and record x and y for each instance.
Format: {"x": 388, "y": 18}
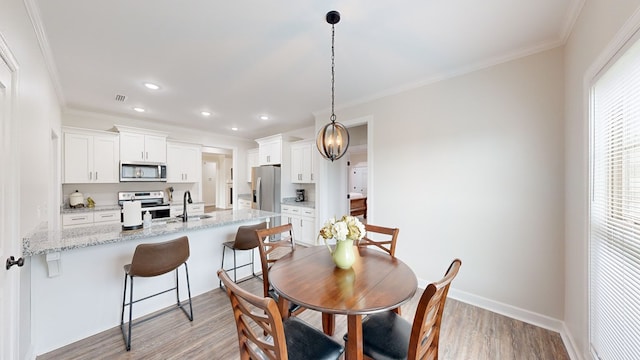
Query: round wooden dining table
{"x": 376, "y": 282}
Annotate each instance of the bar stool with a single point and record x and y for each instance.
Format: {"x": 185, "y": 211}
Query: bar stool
{"x": 153, "y": 260}
{"x": 246, "y": 239}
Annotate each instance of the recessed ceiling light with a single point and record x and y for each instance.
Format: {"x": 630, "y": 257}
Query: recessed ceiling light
{"x": 234, "y": 128}
{"x": 264, "y": 117}
{"x": 205, "y": 113}
{"x": 151, "y": 86}
{"x": 138, "y": 109}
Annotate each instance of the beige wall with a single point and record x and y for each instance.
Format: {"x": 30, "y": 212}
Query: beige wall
{"x": 591, "y": 43}
{"x": 472, "y": 167}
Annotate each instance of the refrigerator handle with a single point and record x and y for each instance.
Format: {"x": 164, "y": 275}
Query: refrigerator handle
{"x": 259, "y": 193}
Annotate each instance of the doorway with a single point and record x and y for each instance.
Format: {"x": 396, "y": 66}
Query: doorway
{"x": 358, "y": 170}
{"x": 217, "y": 178}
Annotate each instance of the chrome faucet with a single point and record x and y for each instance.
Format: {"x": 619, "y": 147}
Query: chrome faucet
{"x": 185, "y": 198}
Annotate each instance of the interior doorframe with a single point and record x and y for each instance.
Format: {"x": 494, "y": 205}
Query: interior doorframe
{"x": 334, "y": 180}
{"x": 10, "y": 210}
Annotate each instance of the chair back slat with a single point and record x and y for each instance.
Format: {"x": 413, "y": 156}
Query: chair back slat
{"x": 253, "y": 315}
{"x": 272, "y": 250}
{"x": 425, "y": 332}
{"x": 373, "y": 238}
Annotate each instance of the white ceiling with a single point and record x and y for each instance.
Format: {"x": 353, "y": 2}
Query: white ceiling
{"x": 240, "y": 59}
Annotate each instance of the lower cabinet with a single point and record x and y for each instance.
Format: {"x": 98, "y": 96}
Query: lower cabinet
{"x": 192, "y": 209}
{"x": 303, "y": 220}
{"x": 89, "y": 218}
{"x": 244, "y": 204}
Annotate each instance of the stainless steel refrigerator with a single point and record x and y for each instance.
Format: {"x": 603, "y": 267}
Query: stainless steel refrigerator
{"x": 265, "y": 190}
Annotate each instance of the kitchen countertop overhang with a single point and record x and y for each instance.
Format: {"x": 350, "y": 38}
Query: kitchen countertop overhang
{"x": 43, "y": 241}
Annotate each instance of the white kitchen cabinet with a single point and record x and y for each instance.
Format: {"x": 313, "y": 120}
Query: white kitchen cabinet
{"x": 184, "y": 163}
{"x": 303, "y": 220}
{"x": 107, "y": 217}
{"x": 195, "y": 209}
{"x": 137, "y": 147}
{"x": 252, "y": 161}
{"x": 77, "y": 220}
{"x": 270, "y": 150}
{"x": 90, "y": 218}
{"x": 302, "y": 164}
{"x": 192, "y": 209}
{"x": 90, "y": 157}
{"x": 244, "y": 204}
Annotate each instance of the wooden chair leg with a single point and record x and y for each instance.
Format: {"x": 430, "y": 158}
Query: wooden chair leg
{"x": 328, "y": 323}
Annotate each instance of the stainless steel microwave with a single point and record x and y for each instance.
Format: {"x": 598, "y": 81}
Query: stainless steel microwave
{"x": 143, "y": 172}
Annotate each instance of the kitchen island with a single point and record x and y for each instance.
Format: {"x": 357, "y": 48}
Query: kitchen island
{"x": 76, "y": 275}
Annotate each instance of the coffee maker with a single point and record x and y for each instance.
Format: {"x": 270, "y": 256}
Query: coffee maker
{"x": 299, "y": 195}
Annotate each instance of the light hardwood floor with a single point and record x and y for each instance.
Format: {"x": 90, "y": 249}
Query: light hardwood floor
{"x": 467, "y": 332}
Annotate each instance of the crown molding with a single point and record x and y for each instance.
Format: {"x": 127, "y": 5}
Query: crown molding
{"x": 36, "y": 21}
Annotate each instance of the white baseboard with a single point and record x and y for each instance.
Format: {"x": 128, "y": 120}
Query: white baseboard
{"x": 513, "y": 312}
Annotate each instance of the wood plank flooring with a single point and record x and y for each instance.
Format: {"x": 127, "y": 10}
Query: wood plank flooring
{"x": 467, "y": 332}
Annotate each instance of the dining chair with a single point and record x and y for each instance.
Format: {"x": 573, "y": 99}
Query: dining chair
{"x": 275, "y": 242}
{"x": 383, "y": 238}
{"x": 388, "y": 336}
{"x": 288, "y": 339}
{"x": 151, "y": 260}
{"x": 245, "y": 239}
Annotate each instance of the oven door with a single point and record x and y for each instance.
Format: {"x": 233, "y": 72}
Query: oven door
{"x": 157, "y": 212}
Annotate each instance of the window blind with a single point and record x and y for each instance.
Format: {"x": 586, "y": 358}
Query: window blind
{"x": 614, "y": 268}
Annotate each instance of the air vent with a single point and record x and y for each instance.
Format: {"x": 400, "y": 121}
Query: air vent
{"x": 121, "y": 98}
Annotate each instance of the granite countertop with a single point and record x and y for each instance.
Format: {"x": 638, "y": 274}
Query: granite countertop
{"x": 44, "y": 241}
{"x": 292, "y": 201}
{"x": 244, "y": 196}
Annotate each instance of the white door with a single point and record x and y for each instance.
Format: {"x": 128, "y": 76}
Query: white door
{"x": 8, "y": 203}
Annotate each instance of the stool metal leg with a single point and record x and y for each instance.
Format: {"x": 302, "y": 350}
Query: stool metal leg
{"x": 124, "y": 300}
{"x": 235, "y": 267}
{"x": 128, "y": 339}
{"x": 224, "y": 250}
{"x": 186, "y": 270}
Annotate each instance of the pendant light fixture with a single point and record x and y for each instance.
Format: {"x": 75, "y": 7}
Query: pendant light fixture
{"x": 333, "y": 138}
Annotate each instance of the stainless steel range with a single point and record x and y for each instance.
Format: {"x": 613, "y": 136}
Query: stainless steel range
{"x": 151, "y": 201}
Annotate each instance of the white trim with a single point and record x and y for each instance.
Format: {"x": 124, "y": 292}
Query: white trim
{"x": 11, "y": 169}
{"x": 516, "y": 313}
{"x": 7, "y": 55}
{"x": 513, "y": 312}
{"x": 36, "y": 21}
{"x": 618, "y": 42}
{"x": 570, "y": 20}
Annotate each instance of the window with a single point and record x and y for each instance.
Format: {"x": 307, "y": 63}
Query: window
{"x": 614, "y": 267}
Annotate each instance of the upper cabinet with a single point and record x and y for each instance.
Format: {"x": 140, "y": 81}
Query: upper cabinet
{"x": 90, "y": 156}
{"x": 184, "y": 162}
{"x": 252, "y": 161}
{"x": 270, "y": 150}
{"x": 140, "y": 145}
{"x": 302, "y": 164}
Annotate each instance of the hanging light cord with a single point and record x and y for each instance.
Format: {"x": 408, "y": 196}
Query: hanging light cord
{"x": 333, "y": 70}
